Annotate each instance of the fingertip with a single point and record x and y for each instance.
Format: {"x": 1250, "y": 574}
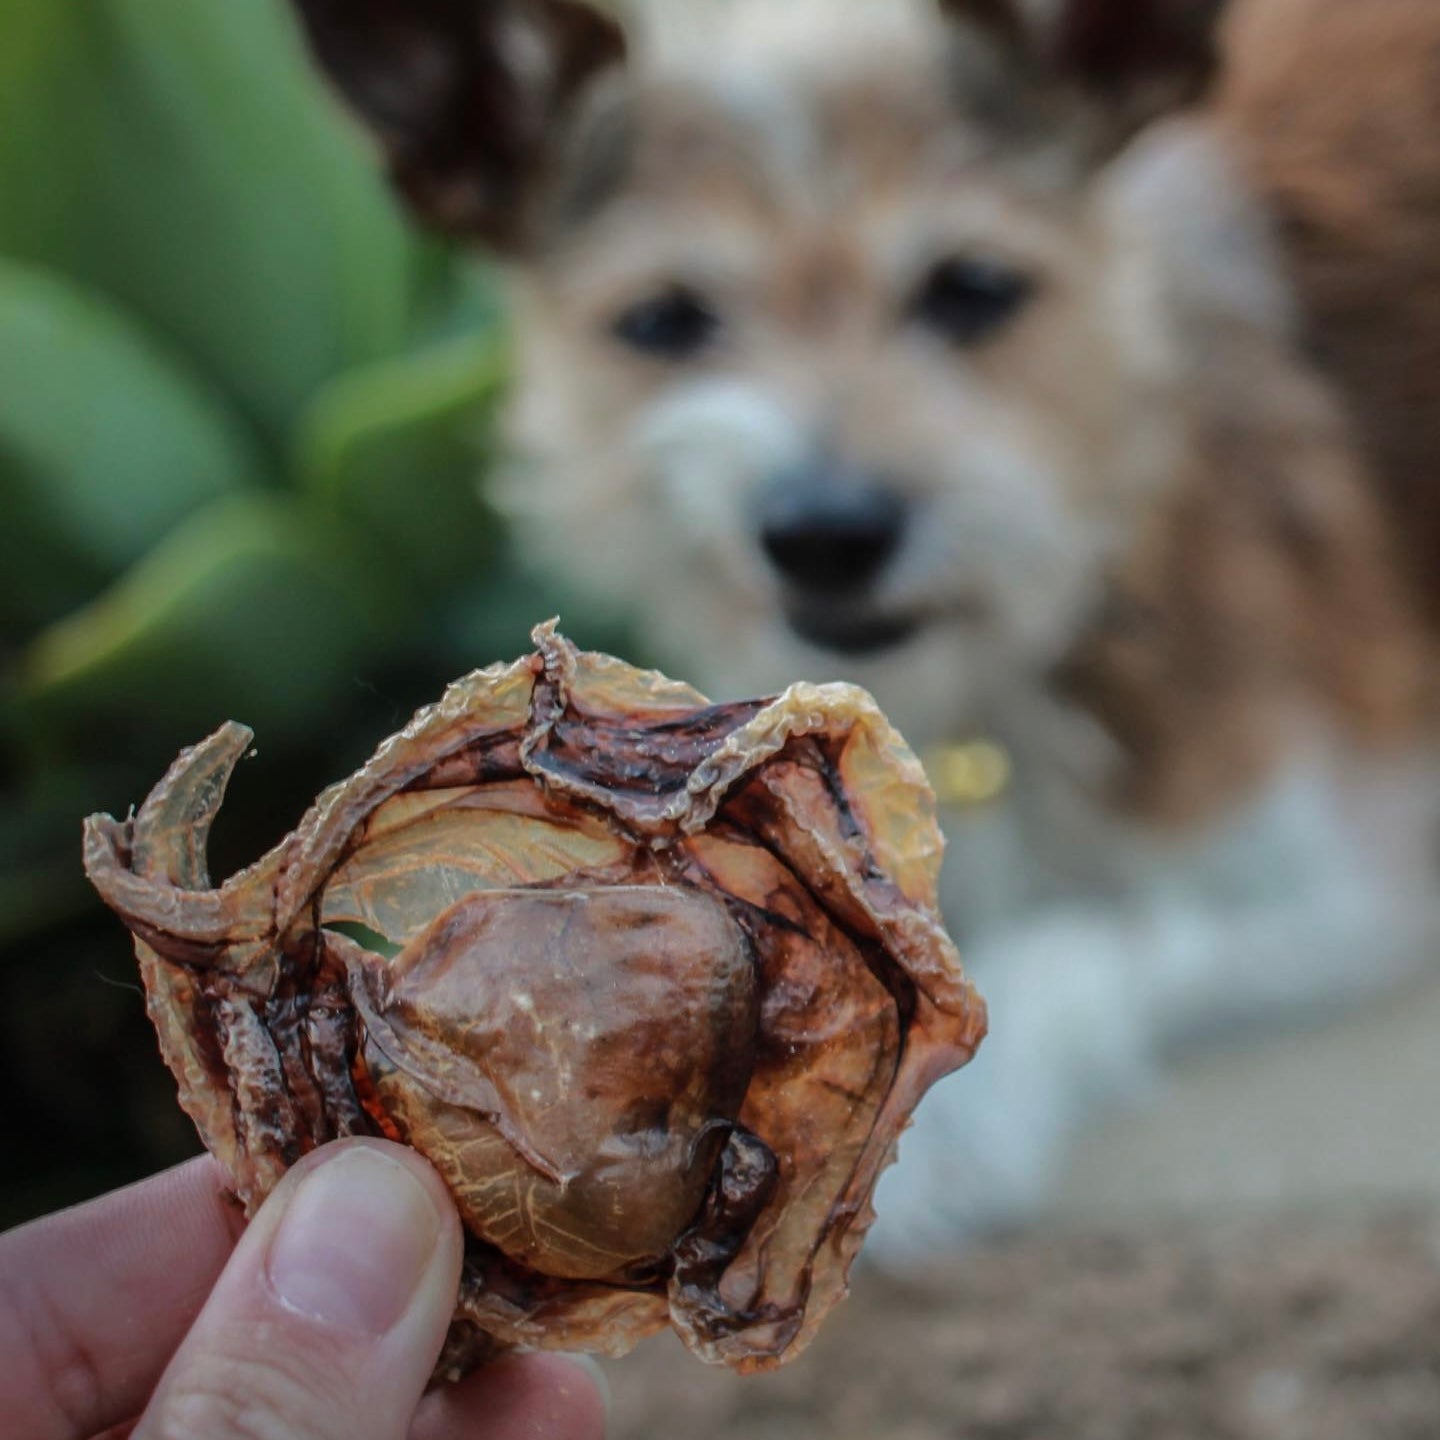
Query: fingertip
{"x": 403, "y": 1155}
{"x": 338, "y": 1152}
{"x": 358, "y": 1244}
{"x": 329, "y": 1316}
{"x": 522, "y": 1397}
{"x": 585, "y": 1386}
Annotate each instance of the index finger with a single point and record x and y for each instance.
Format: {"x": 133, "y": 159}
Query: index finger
{"x": 94, "y": 1301}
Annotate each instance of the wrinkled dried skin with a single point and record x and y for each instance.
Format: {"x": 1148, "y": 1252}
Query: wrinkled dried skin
{"x": 654, "y": 984}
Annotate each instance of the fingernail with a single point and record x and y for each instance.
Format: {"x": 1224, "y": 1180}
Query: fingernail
{"x": 354, "y": 1243}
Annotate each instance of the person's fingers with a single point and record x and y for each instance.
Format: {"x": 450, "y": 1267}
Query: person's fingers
{"x": 95, "y": 1300}
{"x": 328, "y": 1319}
{"x": 523, "y": 1397}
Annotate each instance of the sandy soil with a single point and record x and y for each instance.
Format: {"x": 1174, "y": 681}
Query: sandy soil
{"x": 1297, "y": 1329}
{"x": 1251, "y": 1253}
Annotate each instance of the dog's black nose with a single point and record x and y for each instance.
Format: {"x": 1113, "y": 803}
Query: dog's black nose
{"x": 829, "y": 530}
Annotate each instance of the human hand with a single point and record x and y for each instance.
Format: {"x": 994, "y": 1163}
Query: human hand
{"x": 155, "y": 1313}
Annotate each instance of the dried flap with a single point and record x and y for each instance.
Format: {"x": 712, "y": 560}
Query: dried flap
{"x": 622, "y": 963}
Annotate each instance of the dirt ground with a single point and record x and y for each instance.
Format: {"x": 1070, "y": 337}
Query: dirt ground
{"x": 1292, "y": 1329}
{"x": 1252, "y": 1254}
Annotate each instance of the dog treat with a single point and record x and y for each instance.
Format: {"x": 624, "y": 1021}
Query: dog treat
{"x": 655, "y": 985}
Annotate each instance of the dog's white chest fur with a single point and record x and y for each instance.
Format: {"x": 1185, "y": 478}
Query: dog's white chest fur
{"x": 1100, "y": 945}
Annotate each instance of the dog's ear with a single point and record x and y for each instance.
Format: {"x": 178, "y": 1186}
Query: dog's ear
{"x": 466, "y": 96}
{"x": 1135, "y": 59}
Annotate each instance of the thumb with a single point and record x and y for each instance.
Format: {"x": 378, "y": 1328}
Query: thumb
{"x": 329, "y": 1317}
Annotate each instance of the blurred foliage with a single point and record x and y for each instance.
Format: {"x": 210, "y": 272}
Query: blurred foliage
{"x": 243, "y": 411}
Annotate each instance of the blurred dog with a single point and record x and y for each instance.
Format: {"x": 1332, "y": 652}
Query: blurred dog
{"x": 1334, "y": 112}
{"x": 913, "y": 343}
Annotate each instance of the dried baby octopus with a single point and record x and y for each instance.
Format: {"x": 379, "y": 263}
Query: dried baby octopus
{"x": 655, "y": 984}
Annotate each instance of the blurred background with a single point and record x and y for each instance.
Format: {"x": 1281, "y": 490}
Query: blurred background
{"x": 243, "y": 412}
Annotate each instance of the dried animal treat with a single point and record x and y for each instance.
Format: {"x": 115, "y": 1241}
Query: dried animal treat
{"x": 655, "y": 984}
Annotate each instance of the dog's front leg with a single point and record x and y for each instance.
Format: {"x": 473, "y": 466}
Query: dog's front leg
{"x": 1308, "y": 905}
{"x": 1066, "y": 1036}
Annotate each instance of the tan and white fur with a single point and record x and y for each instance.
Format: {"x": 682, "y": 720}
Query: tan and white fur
{"x": 926, "y": 345}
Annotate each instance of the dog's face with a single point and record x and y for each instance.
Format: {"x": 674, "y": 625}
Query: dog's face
{"x": 833, "y": 363}
{"x": 830, "y": 385}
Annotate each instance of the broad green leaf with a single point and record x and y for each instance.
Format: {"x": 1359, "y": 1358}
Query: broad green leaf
{"x": 182, "y": 156}
{"x": 396, "y": 450}
{"x": 105, "y": 445}
{"x": 247, "y": 611}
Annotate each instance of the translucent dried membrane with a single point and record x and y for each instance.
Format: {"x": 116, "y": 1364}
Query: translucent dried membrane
{"x": 655, "y": 984}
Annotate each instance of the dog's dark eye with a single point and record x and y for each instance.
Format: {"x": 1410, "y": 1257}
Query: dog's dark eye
{"x": 967, "y": 300}
{"x": 672, "y": 326}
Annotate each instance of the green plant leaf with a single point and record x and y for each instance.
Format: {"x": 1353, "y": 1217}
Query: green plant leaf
{"x": 249, "y": 610}
{"x": 181, "y": 156}
{"x": 105, "y": 445}
{"x": 396, "y": 451}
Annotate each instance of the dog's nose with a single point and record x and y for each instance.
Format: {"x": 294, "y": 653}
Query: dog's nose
{"x": 829, "y": 530}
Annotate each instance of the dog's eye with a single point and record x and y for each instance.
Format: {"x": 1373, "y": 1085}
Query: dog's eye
{"x": 966, "y": 300}
{"x": 673, "y": 326}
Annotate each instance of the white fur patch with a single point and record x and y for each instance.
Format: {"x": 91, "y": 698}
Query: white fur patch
{"x": 709, "y": 446}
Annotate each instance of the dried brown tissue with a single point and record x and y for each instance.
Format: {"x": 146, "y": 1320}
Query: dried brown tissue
{"x": 654, "y": 983}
